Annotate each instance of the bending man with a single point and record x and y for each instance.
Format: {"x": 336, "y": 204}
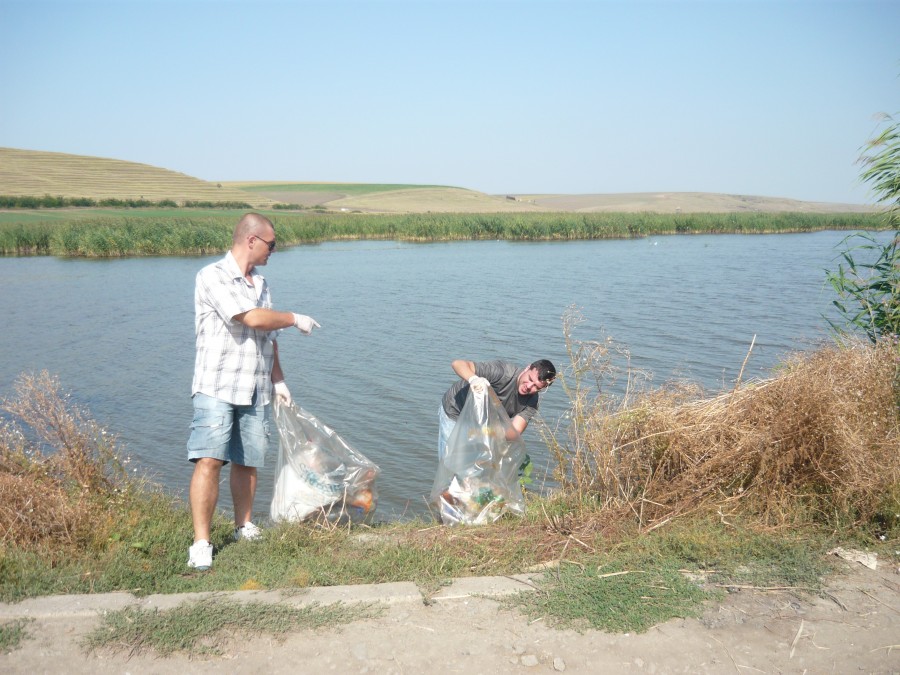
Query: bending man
{"x": 516, "y": 387}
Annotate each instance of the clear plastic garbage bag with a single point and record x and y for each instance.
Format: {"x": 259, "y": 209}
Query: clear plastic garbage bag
{"x": 317, "y": 472}
{"x": 478, "y": 479}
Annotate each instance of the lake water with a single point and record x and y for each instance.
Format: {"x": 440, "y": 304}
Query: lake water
{"x": 119, "y": 333}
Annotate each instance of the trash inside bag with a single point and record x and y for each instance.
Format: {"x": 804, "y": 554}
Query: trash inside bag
{"x": 318, "y": 473}
{"x": 478, "y": 478}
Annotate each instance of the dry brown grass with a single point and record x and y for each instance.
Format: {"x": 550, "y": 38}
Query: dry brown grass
{"x": 458, "y": 200}
{"x": 820, "y": 441}
{"x": 36, "y": 173}
{"x": 683, "y": 202}
{"x": 56, "y": 465}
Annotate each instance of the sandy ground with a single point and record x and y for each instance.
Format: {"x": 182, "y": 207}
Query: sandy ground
{"x": 855, "y": 629}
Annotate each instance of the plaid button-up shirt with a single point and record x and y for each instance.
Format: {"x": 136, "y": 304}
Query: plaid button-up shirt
{"x": 233, "y": 361}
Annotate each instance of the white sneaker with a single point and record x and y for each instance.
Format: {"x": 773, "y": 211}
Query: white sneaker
{"x": 200, "y": 555}
{"x": 248, "y": 532}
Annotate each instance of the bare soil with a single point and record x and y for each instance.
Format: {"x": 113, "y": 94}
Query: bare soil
{"x": 855, "y": 628}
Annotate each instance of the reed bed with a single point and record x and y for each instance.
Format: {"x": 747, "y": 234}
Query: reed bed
{"x": 183, "y": 232}
{"x": 819, "y": 442}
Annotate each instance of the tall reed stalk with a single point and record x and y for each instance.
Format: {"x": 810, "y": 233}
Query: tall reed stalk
{"x": 178, "y": 232}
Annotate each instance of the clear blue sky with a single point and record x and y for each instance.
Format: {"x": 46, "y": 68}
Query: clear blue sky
{"x": 749, "y": 97}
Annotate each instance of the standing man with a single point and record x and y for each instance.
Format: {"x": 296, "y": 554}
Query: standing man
{"x": 235, "y": 372}
{"x": 516, "y": 387}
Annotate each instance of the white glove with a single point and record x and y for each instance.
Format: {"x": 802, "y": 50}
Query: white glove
{"x": 479, "y": 385}
{"x": 282, "y": 393}
{"x": 305, "y": 324}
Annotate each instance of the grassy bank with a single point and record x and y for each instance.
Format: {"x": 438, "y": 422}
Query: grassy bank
{"x": 99, "y": 233}
{"x": 664, "y": 495}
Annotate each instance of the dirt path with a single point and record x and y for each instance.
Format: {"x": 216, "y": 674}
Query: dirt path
{"x": 855, "y": 630}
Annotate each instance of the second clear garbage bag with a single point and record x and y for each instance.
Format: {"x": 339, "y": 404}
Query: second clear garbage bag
{"x": 318, "y": 473}
{"x": 477, "y": 480}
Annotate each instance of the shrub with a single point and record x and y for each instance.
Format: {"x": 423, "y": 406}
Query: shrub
{"x": 57, "y": 466}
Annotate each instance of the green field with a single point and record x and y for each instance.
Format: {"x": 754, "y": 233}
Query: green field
{"x": 25, "y": 217}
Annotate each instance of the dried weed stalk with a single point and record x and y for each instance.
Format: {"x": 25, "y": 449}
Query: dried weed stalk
{"x": 822, "y": 436}
{"x": 56, "y": 466}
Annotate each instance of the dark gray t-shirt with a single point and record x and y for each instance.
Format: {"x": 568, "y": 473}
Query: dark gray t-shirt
{"x": 503, "y": 377}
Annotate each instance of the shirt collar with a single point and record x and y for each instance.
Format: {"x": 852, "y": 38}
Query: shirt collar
{"x": 235, "y": 270}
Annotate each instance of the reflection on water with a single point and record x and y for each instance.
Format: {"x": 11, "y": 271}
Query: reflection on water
{"x": 119, "y": 333}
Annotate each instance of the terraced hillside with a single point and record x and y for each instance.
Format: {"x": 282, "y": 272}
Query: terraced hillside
{"x": 36, "y": 173}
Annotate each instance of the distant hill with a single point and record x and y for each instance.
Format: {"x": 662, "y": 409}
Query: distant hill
{"x": 685, "y": 202}
{"x": 35, "y": 173}
{"x": 438, "y": 199}
{"x": 386, "y": 198}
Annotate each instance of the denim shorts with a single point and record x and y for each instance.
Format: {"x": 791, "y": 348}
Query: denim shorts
{"x": 231, "y": 433}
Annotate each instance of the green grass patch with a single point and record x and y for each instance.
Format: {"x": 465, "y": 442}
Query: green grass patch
{"x": 13, "y": 633}
{"x": 201, "y": 628}
{"x": 612, "y": 599}
{"x": 646, "y": 580}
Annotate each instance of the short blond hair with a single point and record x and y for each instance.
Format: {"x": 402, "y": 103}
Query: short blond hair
{"x": 249, "y": 224}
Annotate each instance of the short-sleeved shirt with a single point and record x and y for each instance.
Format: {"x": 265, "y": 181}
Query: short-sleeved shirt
{"x": 503, "y": 377}
{"x": 233, "y": 361}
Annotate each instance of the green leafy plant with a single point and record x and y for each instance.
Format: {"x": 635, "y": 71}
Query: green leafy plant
{"x": 868, "y": 281}
{"x": 868, "y": 290}
{"x": 881, "y": 167}
{"x": 525, "y": 470}
{"x": 13, "y": 634}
